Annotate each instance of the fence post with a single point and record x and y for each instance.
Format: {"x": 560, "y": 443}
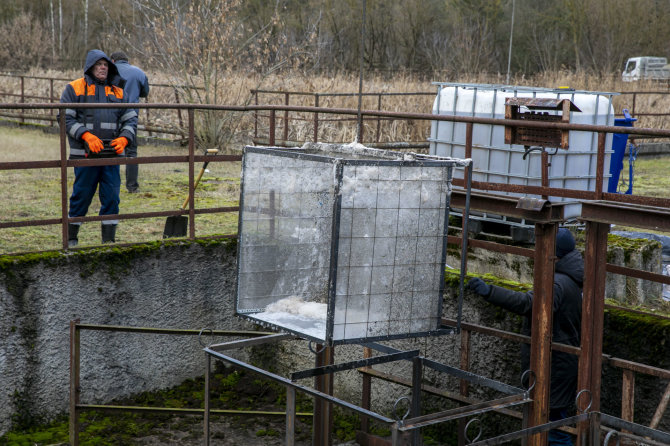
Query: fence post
{"x": 23, "y": 98}
{"x": 379, "y": 118}
{"x": 286, "y": 102}
{"x": 316, "y": 118}
{"x": 271, "y": 142}
{"x": 255, "y": 92}
{"x": 75, "y": 388}
{"x": 51, "y": 95}
{"x": 176, "y": 97}
{"x": 63, "y": 178}
{"x": 146, "y": 100}
{"x": 191, "y": 173}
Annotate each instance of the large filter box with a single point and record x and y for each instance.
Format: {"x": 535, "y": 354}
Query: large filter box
{"x": 496, "y": 161}
{"x": 342, "y": 243}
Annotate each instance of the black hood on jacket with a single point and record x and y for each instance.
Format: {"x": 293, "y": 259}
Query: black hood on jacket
{"x": 572, "y": 264}
{"x": 113, "y": 76}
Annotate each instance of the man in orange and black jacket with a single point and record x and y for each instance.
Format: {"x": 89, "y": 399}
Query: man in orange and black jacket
{"x": 102, "y": 132}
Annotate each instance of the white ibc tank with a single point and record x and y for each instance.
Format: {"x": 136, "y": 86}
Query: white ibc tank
{"x": 495, "y": 161}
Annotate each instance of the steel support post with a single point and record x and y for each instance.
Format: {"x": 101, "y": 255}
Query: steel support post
{"x": 593, "y": 307}
{"x": 75, "y": 388}
{"x": 323, "y": 416}
{"x": 464, "y": 385}
{"x": 417, "y": 373}
{"x": 208, "y": 371}
{"x": 594, "y": 426}
{"x": 366, "y": 397}
{"x": 396, "y": 436}
{"x": 540, "y": 344}
{"x": 628, "y": 395}
{"x": 545, "y": 172}
{"x": 290, "y": 416}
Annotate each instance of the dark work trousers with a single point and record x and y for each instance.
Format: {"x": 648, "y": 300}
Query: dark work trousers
{"x": 556, "y": 437}
{"x": 86, "y": 181}
{"x": 132, "y": 170}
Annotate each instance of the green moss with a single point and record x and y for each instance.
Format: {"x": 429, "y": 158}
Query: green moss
{"x": 646, "y": 247}
{"x": 452, "y": 279}
{"x": 117, "y": 259}
{"x": 267, "y": 433}
{"x": 639, "y": 336}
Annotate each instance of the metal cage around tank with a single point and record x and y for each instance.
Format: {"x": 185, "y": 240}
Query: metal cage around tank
{"x": 343, "y": 243}
{"x": 500, "y": 160}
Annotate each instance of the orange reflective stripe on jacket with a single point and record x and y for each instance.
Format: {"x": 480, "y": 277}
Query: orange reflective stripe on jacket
{"x": 81, "y": 88}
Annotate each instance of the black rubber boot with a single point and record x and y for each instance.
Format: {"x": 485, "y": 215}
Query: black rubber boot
{"x": 132, "y": 171}
{"x": 108, "y": 233}
{"x": 72, "y": 232}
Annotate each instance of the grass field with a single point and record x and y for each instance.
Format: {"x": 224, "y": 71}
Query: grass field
{"x": 35, "y": 194}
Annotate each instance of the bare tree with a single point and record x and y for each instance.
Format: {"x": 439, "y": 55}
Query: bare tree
{"x": 200, "y": 44}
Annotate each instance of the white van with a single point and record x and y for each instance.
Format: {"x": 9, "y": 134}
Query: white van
{"x": 645, "y": 67}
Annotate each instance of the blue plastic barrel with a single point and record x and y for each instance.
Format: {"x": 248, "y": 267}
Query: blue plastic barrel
{"x": 619, "y": 142}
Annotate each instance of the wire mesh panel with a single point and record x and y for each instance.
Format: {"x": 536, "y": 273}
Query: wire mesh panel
{"x": 342, "y": 243}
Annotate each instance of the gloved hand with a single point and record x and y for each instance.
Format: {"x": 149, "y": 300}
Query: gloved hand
{"x": 479, "y": 286}
{"x": 95, "y": 144}
{"x": 119, "y": 144}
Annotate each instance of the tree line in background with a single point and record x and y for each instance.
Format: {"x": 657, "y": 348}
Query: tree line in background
{"x": 421, "y": 36}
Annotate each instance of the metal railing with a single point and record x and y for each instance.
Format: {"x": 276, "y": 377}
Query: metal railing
{"x": 287, "y": 121}
{"x": 544, "y": 190}
{"x": 76, "y": 407}
{"x": 600, "y": 208}
{"x": 55, "y": 85}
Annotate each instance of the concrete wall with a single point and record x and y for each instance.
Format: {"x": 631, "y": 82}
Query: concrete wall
{"x": 192, "y": 285}
{"x": 188, "y": 286}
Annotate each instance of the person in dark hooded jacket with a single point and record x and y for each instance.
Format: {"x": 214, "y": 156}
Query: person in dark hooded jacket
{"x": 95, "y": 133}
{"x": 566, "y": 326}
{"x": 137, "y": 86}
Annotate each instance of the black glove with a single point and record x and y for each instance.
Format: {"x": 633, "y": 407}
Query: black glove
{"x": 479, "y": 286}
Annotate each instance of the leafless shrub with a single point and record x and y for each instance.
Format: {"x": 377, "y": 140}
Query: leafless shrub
{"x": 24, "y": 43}
{"x": 202, "y": 46}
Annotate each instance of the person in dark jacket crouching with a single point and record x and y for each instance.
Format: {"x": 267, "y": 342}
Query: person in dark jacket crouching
{"x": 567, "y": 322}
{"x": 100, "y": 132}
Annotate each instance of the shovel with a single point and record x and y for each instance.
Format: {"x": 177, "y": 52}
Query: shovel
{"x": 176, "y": 225}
